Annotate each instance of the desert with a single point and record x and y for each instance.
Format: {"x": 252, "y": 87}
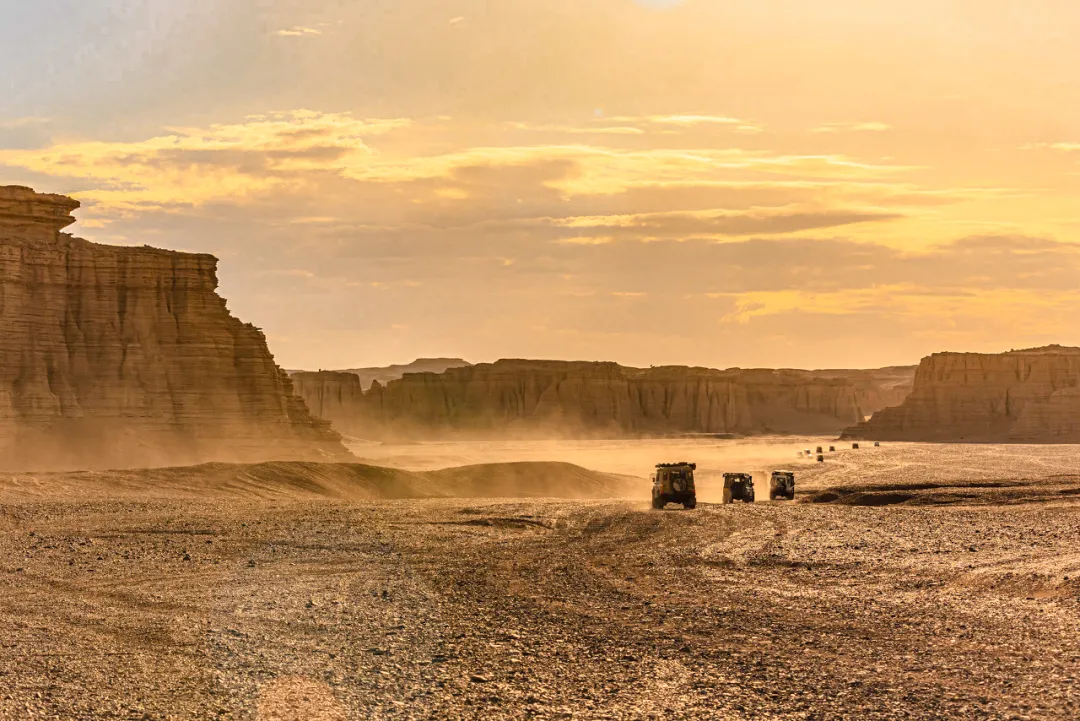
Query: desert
{"x": 594, "y": 360}
{"x": 188, "y": 531}
{"x": 920, "y": 581}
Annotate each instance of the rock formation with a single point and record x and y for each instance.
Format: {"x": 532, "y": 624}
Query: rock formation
{"x": 118, "y": 356}
{"x": 518, "y": 398}
{"x": 385, "y": 374}
{"x": 334, "y": 396}
{"x": 877, "y": 388}
{"x": 1020, "y": 396}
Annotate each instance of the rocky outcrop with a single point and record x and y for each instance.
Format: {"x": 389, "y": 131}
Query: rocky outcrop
{"x": 385, "y": 374}
{"x": 551, "y": 399}
{"x": 119, "y": 356}
{"x": 876, "y": 388}
{"x": 334, "y": 396}
{"x": 1021, "y": 396}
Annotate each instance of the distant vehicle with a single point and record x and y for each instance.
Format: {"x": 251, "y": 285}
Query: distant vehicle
{"x": 819, "y": 449}
{"x": 854, "y": 446}
{"x": 832, "y": 449}
{"x": 674, "y": 483}
{"x": 782, "y": 485}
{"x": 820, "y": 458}
{"x": 738, "y": 487}
{"x": 877, "y": 444}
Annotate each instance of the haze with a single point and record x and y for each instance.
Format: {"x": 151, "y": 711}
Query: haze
{"x": 770, "y": 183}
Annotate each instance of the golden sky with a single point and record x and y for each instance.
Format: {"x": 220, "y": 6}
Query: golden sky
{"x": 839, "y": 183}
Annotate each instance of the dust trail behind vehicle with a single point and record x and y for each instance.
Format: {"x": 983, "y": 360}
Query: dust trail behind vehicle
{"x": 635, "y": 458}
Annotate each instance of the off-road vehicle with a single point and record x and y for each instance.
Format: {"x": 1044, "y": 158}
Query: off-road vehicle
{"x": 738, "y": 487}
{"x": 782, "y": 485}
{"x": 674, "y": 483}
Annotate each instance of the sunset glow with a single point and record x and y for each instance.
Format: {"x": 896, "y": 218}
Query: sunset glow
{"x": 754, "y": 182}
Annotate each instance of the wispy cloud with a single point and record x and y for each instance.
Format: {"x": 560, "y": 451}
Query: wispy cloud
{"x": 298, "y": 31}
{"x": 713, "y": 224}
{"x": 1065, "y": 147}
{"x": 587, "y": 240}
{"x": 190, "y": 166}
{"x": 578, "y": 130}
{"x": 687, "y": 120}
{"x": 870, "y": 127}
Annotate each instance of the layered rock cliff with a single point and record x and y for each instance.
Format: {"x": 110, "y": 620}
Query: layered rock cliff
{"x": 335, "y": 396}
{"x": 119, "y": 356}
{"x": 385, "y": 374}
{"x": 876, "y": 388}
{"x": 517, "y": 398}
{"x": 1021, "y": 396}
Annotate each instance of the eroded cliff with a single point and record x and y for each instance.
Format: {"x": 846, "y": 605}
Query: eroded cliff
{"x": 122, "y": 356}
{"x": 386, "y": 374}
{"x": 519, "y": 398}
{"x": 335, "y": 396}
{"x": 1021, "y": 396}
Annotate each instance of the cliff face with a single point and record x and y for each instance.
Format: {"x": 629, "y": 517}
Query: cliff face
{"x": 574, "y": 399}
{"x": 334, "y": 396}
{"x": 1021, "y": 396}
{"x": 877, "y": 388}
{"x": 115, "y": 356}
{"x": 369, "y": 376}
{"x": 385, "y": 374}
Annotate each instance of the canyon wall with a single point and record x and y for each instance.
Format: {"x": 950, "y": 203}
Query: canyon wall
{"x": 334, "y": 396}
{"x": 876, "y": 388}
{"x": 385, "y": 374}
{"x": 1022, "y": 396}
{"x": 124, "y": 356}
{"x": 552, "y": 399}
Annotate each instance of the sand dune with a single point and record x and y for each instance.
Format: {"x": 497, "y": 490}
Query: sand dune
{"x": 285, "y": 480}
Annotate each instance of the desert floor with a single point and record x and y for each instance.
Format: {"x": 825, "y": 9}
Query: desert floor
{"x": 926, "y": 582}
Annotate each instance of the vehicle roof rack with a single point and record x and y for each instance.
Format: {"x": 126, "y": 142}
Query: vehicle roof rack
{"x": 693, "y": 466}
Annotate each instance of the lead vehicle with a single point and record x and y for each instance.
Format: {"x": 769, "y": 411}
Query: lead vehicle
{"x": 674, "y": 483}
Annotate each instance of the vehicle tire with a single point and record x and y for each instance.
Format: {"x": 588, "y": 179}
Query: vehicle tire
{"x": 690, "y": 505}
{"x": 749, "y": 497}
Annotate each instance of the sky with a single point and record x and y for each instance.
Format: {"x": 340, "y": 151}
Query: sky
{"x": 795, "y": 183}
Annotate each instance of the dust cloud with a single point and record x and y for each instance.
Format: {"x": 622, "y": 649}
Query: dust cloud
{"x": 634, "y": 459}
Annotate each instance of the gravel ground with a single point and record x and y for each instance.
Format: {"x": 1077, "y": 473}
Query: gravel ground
{"x": 960, "y": 600}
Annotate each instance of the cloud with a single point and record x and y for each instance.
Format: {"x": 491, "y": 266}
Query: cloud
{"x": 851, "y": 128}
{"x": 578, "y": 130}
{"x": 600, "y": 169}
{"x": 587, "y": 240}
{"x": 1063, "y": 147}
{"x": 298, "y": 31}
{"x": 191, "y": 166}
{"x": 715, "y": 224}
{"x": 688, "y": 121}
{"x": 304, "y": 152}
